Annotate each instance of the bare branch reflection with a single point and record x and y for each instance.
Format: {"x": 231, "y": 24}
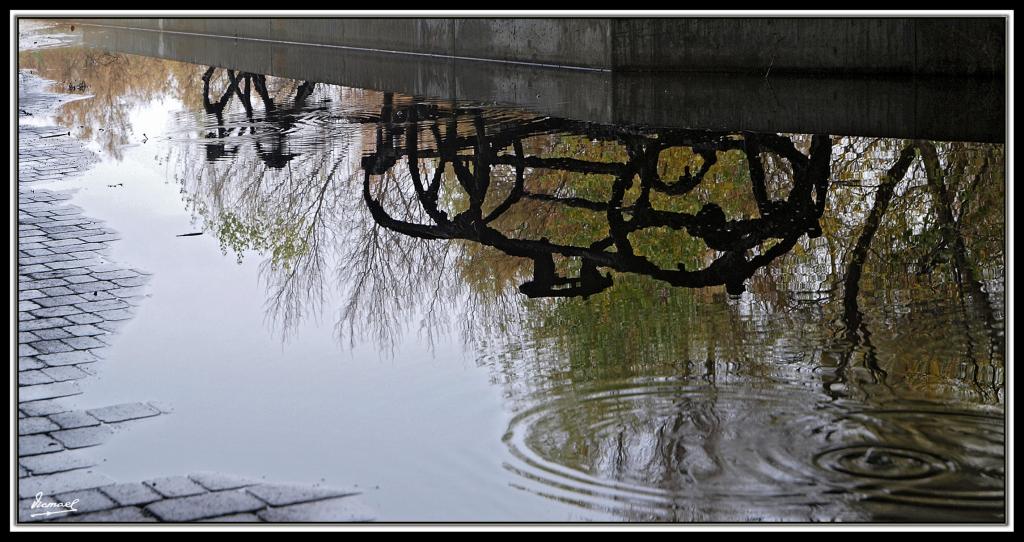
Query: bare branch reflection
{"x": 525, "y": 233}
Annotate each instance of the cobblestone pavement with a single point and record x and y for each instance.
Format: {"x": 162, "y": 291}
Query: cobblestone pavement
{"x": 71, "y": 301}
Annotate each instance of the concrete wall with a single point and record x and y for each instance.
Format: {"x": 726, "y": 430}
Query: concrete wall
{"x": 919, "y": 46}
{"x": 941, "y": 108}
{"x": 566, "y": 42}
{"x": 848, "y": 46}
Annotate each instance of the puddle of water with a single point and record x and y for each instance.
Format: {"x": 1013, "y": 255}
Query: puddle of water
{"x": 615, "y": 322}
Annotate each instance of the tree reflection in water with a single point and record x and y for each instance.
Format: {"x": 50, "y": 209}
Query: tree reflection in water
{"x": 589, "y": 266}
{"x": 781, "y": 221}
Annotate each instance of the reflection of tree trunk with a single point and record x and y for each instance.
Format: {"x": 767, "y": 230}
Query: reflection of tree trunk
{"x": 303, "y": 93}
{"x": 756, "y": 169}
{"x": 853, "y": 319}
{"x": 963, "y": 270}
{"x": 259, "y": 82}
{"x": 860, "y": 251}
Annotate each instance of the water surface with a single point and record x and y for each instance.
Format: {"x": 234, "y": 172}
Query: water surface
{"x": 482, "y": 313}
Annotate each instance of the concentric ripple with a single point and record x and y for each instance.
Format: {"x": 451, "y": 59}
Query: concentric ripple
{"x": 690, "y": 450}
{"x": 882, "y": 462}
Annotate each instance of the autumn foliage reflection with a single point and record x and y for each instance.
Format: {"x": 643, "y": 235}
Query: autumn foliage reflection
{"x": 779, "y": 224}
{"x": 596, "y": 238}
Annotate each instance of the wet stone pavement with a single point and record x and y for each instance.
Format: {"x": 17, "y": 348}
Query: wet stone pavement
{"x": 71, "y": 302}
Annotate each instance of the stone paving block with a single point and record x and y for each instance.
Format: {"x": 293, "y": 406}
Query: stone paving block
{"x": 66, "y": 274}
{"x": 41, "y": 284}
{"x": 285, "y": 494}
{"x": 102, "y": 268}
{"x": 208, "y": 505}
{"x": 27, "y": 350}
{"x": 215, "y": 481}
{"x": 89, "y": 500}
{"x": 136, "y": 281}
{"x": 57, "y": 462}
{"x": 83, "y": 437}
{"x": 349, "y": 509}
{"x": 74, "y": 419}
{"x": 84, "y": 330}
{"x": 60, "y": 229}
{"x": 79, "y": 279}
{"x": 28, "y": 363}
{"x": 48, "y": 259}
{"x": 62, "y": 242}
{"x": 234, "y": 518}
{"x": 119, "y": 314}
{"x": 106, "y": 305}
{"x": 30, "y": 294}
{"x": 43, "y": 408}
{"x": 51, "y": 334}
{"x": 127, "y": 292}
{"x": 127, "y": 514}
{"x": 83, "y": 318}
{"x": 47, "y": 391}
{"x": 27, "y": 337}
{"x": 75, "y": 234}
{"x": 25, "y": 306}
{"x": 51, "y": 347}
{"x": 83, "y": 343}
{"x": 66, "y": 210}
{"x": 111, "y": 326}
{"x": 64, "y": 372}
{"x": 57, "y": 290}
{"x": 74, "y": 218}
{"x": 101, "y": 238}
{"x": 34, "y": 425}
{"x": 131, "y": 494}
{"x": 87, "y": 255}
{"x": 61, "y": 482}
{"x": 42, "y": 323}
{"x": 75, "y": 250}
{"x": 68, "y": 358}
{"x": 123, "y": 412}
{"x": 59, "y": 310}
{"x": 119, "y": 274}
{"x": 71, "y": 262}
{"x": 31, "y": 250}
{"x": 37, "y": 285}
{"x": 37, "y": 444}
{"x": 87, "y": 368}
{"x": 93, "y": 286}
{"x": 29, "y": 378}
{"x": 176, "y": 486}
